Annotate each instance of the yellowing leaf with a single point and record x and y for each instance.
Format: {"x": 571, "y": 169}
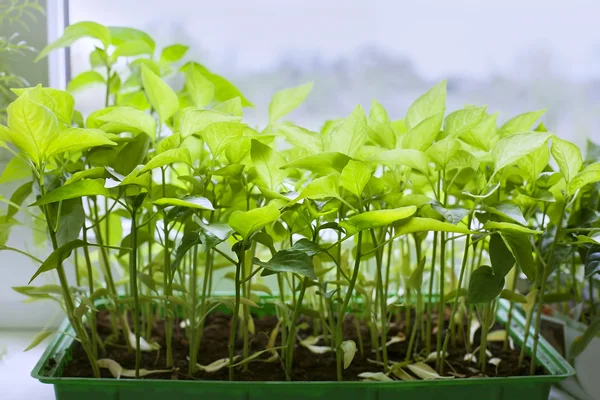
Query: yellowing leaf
{"x": 117, "y": 371}
{"x": 425, "y": 372}
{"x": 39, "y": 338}
{"x": 349, "y": 349}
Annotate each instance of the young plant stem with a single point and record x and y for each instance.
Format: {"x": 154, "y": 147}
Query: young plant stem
{"x": 510, "y": 308}
{"x": 236, "y": 308}
{"x": 340, "y": 320}
{"x": 382, "y": 300}
{"x": 193, "y": 318}
{"x": 413, "y": 334}
{"x": 292, "y": 331}
{"x": 485, "y": 325}
{"x": 441, "y": 304}
{"x": 247, "y": 288}
{"x": 167, "y": 279}
{"x": 88, "y": 264}
{"x": 428, "y": 329}
{"x": 133, "y": 287}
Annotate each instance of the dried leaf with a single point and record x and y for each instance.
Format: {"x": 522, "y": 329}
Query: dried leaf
{"x": 117, "y": 371}
{"x": 375, "y": 376}
{"x": 310, "y": 343}
{"x": 470, "y": 357}
{"x": 399, "y": 373}
{"x": 216, "y": 365}
{"x": 425, "y": 372}
{"x": 494, "y": 361}
{"x": 349, "y": 349}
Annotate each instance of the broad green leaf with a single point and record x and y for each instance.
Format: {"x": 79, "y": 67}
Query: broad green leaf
{"x": 441, "y": 152}
{"x": 87, "y": 187}
{"x": 181, "y": 154}
{"x": 458, "y": 122}
{"x": 452, "y": 215}
{"x": 408, "y": 157}
{"x": 519, "y": 245}
{"x": 507, "y": 210}
{"x": 61, "y": 103}
{"x": 171, "y": 142}
{"x": 120, "y": 35}
{"x": 590, "y": 174}
{"x": 568, "y": 157}
{"x": 268, "y": 163}
{"x": 534, "y": 163}
{"x": 133, "y": 178}
{"x": 76, "y": 139}
{"x": 378, "y": 113}
{"x": 286, "y": 100}
{"x": 58, "y": 256}
{"x": 16, "y": 169}
{"x": 482, "y": 135}
{"x": 221, "y": 134}
{"x": 39, "y": 338}
{"x": 352, "y": 133}
{"x": 161, "y": 96}
{"x": 132, "y": 154}
{"x": 484, "y": 285}
{"x": 581, "y": 342}
{"x": 500, "y": 256}
{"x": 84, "y": 80}
{"x": 418, "y": 224}
{"x": 231, "y": 107}
{"x": 127, "y": 118}
{"x": 201, "y": 203}
{"x": 309, "y": 247}
{"x": 433, "y": 102}
{"x": 509, "y": 149}
{"x": 224, "y": 90}
{"x": 421, "y": 136}
{"x": 512, "y": 296}
{"x": 248, "y": 222}
{"x": 173, "y": 53}
{"x": 289, "y": 260}
{"x": 463, "y": 159}
{"x": 520, "y": 123}
{"x": 301, "y": 137}
{"x": 381, "y": 134}
{"x": 321, "y": 163}
{"x": 72, "y": 218}
{"x": 17, "y": 198}
{"x": 376, "y": 218}
{"x": 509, "y": 227}
{"x": 416, "y": 277}
{"x": 321, "y": 188}
{"x": 131, "y": 49}
{"x": 355, "y": 177}
{"x": 77, "y": 31}
{"x": 197, "y": 121}
{"x": 200, "y": 89}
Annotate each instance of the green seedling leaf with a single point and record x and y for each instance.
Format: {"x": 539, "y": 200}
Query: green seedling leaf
{"x": 221, "y": 134}
{"x": 441, "y": 152}
{"x": 300, "y": 137}
{"x": 508, "y": 211}
{"x": 259, "y": 287}
{"x": 120, "y": 119}
{"x": 229, "y": 302}
{"x": 433, "y": 102}
{"x": 321, "y": 188}
{"x": 322, "y": 163}
{"x": 376, "y": 218}
{"x": 309, "y": 247}
{"x": 247, "y": 222}
{"x": 168, "y": 157}
{"x": 171, "y": 142}
{"x": 160, "y": 95}
{"x": 592, "y": 261}
{"x": 120, "y": 35}
{"x": 355, "y": 177}
{"x": 501, "y": 257}
{"x": 117, "y": 371}
{"x": 568, "y": 157}
{"x": 196, "y": 121}
{"x": 407, "y": 157}
{"x": 85, "y": 80}
{"x": 132, "y": 155}
{"x": 39, "y": 338}
{"x": 510, "y": 149}
{"x": 425, "y": 372}
{"x": 418, "y": 224}
{"x": 590, "y": 174}
{"x": 452, "y": 215}
{"x": 173, "y": 53}
{"x": 581, "y": 342}
{"x": 76, "y": 139}
{"x": 452, "y": 296}
{"x": 286, "y": 100}
{"x": 84, "y": 187}
{"x": 512, "y": 296}
{"x": 200, "y": 89}
{"x": 92, "y": 173}
{"x": 509, "y": 227}
{"x": 131, "y": 49}
{"x": 289, "y": 260}
{"x": 382, "y": 134}
{"x": 268, "y": 163}
{"x": 482, "y": 135}
{"x": 378, "y": 113}
{"x": 15, "y": 170}
{"x": 231, "y": 107}
{"x": 520, "y": 123}
{"x": 416, "y": 277}
{"x": 224, "y": 90}
{"x": 59, "y": 102}
{"x": 422, "y": 136}
{"x": 17, "y": 199}
{"x": 200, "y": 203}
{"x": 350, "y": 136}
{"x": 486, "y": 192}
{"x": 484, "y": 285}
{"x": 349, "y": 349}
{"x": 461, "y": 121}
{"x": 75, "y": 32}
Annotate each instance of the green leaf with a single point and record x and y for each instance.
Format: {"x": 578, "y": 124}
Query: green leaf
{"x": 592, "y": 261}
{"x": 416, "y": 277}
{"x": 512, "y": 296}
{"x": 128, "y": 118}
{"x": 309, "y": 247}
{"x": 171, "y": 142}
{"x": 442, "y": 151}
{"x": 84, "y": 80}
{"x": 76, "y": 139}
{"x": 452, "y": 215}
{"x": 568, "y": 157}
{"x": 224, "y": 90}
{"x": 247, "y": 222}
{"x": 433, "y": 102}
{"x": 520, "y": 247}
{"x": 312, "y": 142}
{"x": 581, "y": 342}
{"x": 221, "y": 134}
{"x": 200, "y": 203}
{"x": 590, "y": 174}
{"x": 382, "y": 134}
{"x": 87, "y": 187}
{"x": 520, "y": 123}
{"x": 484, "y": 285}
{"x": 507, "y": 210}
{"x": 355, "y": 177}
{"x": 321, "y": 163}
{"x": 15, "y": 170}
{"x": 418, "y": 224}
{"x": 180, "y": 155}
{"x": 120, "y": 35}
{"x": 268, "y": 163}
{"x": 408, "y": 157}
{"x": 161, "y": 96}
{"x": 17, "y": 198}
{"x": 39, "y": 338}
{"x": 72, "y": 218}
{"x": 482, "y": 135}
{"x": 132, "y": 154}
{"x": 286, "y": 100}
{"x": 461, "y": 121}
{"x": 509, "y": 149}
{"x": 501, "y": 257}
{"x": 230, "y": 107}
{"x": 321, "y": 188}
{"x": 289, "y": 260}
{"x": 173, "y": 53}
{"x": 131, "y": 49}
{"x": 352, "y": 133}
{"x": 75, "y": 32}
{"x": 424, "y": 134}
{"x": 200, "y": 89}
{"x": 509, "y": 227}
{"x": 376, "y": 218}
{"x": 378, "y": 113}
{"x": 197, "y": 121}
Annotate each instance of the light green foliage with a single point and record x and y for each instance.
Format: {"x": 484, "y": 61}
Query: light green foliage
{"x": 85, "y": 80}
{"x": 351, "y": 134}
{"x": 75, "y": 32}
{"x": 126, "y": 119}
{"x": 462, "y": 121}
{"x": 378, "y": 218}
{"x": 248, "y": 222}
{"x": 221, "y": 134}
{"x": 568, "y": 157}
{"x": 484, "y": 285}
{"x": 520, "y": 123}
{"x": 268, "y": 163}
{"x": 160, "y": 95}
{"x": 286, "y": 100}
{"x": 355, "y": 177}
{"x": 428, "y": 105}
{"x": 511, "y": 148}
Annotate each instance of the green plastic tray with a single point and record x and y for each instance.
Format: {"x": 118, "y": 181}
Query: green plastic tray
{"x": 512, "y": 388}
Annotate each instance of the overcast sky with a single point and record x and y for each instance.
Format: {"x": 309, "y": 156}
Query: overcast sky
{"x": 464, "y": 37}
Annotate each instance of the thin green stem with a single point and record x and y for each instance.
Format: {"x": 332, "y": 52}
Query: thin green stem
{"x": 292, "y": 331}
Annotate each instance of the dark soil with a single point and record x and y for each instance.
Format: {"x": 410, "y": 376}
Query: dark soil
{"x": 307, "y": 366}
